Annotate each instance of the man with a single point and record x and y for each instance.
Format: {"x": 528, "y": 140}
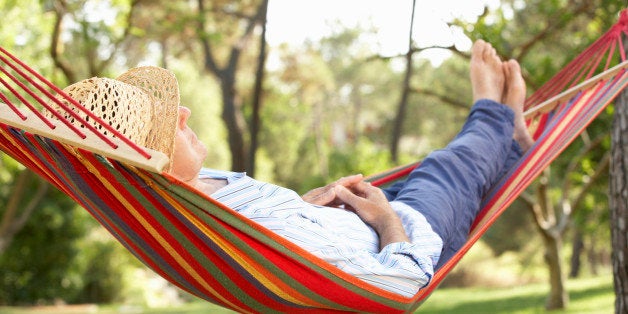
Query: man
{"x": 392, "y": 238}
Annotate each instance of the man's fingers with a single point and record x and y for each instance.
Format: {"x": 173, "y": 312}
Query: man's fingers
{"x": 326, "y": 196}
{"x": 348, "y": 197}
{"x": 362, "y": 188}
{"x": 350, "y": 180}
{"x": 322, "y": 197}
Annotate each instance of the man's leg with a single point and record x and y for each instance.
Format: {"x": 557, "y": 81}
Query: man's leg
{"x": 449, "y": 185}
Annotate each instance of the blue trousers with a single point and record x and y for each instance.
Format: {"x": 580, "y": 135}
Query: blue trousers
{"x": 449, "y": 185}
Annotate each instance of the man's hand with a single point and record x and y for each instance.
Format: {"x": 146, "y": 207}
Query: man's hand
{"x": 371, "y": 205}
{"x": 326, "y": 196}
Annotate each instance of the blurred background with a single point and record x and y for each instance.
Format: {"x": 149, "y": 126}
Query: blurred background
{"x": 300, "y": 93}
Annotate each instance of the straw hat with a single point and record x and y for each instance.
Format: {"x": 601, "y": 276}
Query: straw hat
{"x": 142, "y": 104}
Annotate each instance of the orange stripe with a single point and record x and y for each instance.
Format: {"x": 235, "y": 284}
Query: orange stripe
{"x": 155, "y": 234}
{"x": 264, "y": 276}
{"x": 539, "y": 154}
{"x": 33, "y": 160}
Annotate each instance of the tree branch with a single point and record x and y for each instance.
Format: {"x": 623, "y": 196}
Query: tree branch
{"x": 602, "y": 168}
{"x": 444, "y": 98}
{"x": 13, "y": 203}
{"x": 56, "y": 47}
{"x": 244, "y": 39}
{"x": 210, "y": 60}
{"x": 119, "y": 41}
{"x": 558, "y": 22}
{"x": 11, "y": 225}
{"x": 575, "y": 162}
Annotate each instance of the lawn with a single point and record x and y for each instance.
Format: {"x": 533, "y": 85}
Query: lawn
{"x": 589, "y": 295}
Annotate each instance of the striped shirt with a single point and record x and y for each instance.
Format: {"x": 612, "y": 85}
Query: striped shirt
{"x": 336, "y": 235}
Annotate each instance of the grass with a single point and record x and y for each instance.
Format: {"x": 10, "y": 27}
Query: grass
{"x": 588, "y": 295}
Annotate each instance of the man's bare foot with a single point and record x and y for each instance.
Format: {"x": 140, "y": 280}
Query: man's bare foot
{"x": 487, "y": 74}
{"x": 514, "y": 97}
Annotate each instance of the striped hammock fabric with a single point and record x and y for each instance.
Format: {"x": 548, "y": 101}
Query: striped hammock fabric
{"x": 213, "y": 252}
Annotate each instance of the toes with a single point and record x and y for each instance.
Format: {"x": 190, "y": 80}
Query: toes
{"x": 489, "y": 53}
{"x": 492, "y": 53}
{"x": 513, "y": 68}
{"x": 478, "y": 48}
{"x": 516, "y": 89}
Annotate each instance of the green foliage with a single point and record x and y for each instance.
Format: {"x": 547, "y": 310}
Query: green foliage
{"x": 39, "y": 263}
{"x": 51, "y": 258}
{"x": 101, "y": 266}
{"x": 363, "y": 158}
{"x": 327, "y": 98}
{"x": 512, "y": 231}
{"x": 438, "y": 109}
{"x": 24, "y": 30}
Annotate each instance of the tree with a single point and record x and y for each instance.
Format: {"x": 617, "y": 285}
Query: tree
{"x": 405, "y": 92}
{"x": 18, "y": 199}
{"x": 226, "y": 73}
{"x": 619, "y": 202}
{"x": 257, "y": 93}
{"x": 95, "y": 43}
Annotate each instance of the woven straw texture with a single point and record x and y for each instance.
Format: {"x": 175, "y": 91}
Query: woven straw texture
{"x": 142, "y": 104}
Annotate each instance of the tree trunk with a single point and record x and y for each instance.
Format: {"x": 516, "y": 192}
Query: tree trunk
{"x": 403, "y": 102}
{"x": 594, "y": 256}
{"x": 232, "y": 108}
{"x": 558, "y": 297}
{"x": 257, "y": 96}
{"x": 619, "y": 202}
{"x": 551, "y": 226}
{"x": 234, "y": 121}
{"x": 576, "y": 254}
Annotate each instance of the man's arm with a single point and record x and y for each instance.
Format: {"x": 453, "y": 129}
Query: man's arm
{"x": 326, "y": 195}
{"x": 371, "y": 205}
{"x": 399, "y": 266}
{"x": 367, "y": 201}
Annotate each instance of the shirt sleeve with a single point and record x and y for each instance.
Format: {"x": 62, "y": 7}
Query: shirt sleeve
{"x": 400, "y": 267}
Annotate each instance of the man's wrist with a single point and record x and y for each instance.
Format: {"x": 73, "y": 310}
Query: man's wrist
{"x": 390, "y": 231}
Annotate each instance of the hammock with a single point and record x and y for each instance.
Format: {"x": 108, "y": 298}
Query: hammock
{"x": 213, "y": 252}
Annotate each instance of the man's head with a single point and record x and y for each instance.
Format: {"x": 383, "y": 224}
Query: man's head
{"x": 142, "y": 104}
{"x": 189, "y": 153}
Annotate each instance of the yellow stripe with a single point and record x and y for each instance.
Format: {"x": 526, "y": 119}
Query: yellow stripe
{"x": 180, "y": 260}
{"x": 236, "y": 254}
{"x": 533, "y": 160}
{"x": 34, "y": 160}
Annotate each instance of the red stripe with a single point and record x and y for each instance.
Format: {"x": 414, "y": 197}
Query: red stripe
{"x": 295, "y": 270}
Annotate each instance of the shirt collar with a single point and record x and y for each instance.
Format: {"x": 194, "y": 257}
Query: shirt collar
{"x": 230, "y": 176}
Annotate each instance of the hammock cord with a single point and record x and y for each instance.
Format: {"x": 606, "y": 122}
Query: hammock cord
{"x": 15, "y": 64}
